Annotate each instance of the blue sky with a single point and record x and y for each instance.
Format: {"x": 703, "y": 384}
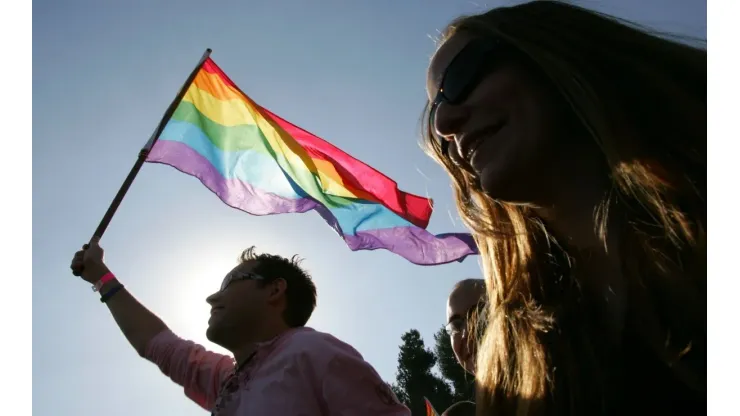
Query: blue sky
{"x": 350, "y": 71}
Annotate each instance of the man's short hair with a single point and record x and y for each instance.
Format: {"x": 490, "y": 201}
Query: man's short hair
{"x": 300, "y": 291}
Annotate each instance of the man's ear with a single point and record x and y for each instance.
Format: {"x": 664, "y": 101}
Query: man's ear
{"x": 277, "y": 288}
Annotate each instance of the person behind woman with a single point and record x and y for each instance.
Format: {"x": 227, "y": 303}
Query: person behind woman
{"x": 466, "y": 300}
{"x": 576, "y": 143}
{"x": 464, "y": 320}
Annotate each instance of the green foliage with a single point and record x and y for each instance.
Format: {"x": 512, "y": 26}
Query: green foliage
{"x": 415, "y": 379}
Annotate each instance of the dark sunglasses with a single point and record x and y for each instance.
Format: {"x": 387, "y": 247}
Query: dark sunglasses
{"x": 459, "y": 324}
{"x": 474, "y": 61}
{"x": 239, "y": 276}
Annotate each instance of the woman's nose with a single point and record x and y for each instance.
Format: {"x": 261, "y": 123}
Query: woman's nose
{"x": 448, "y": 119}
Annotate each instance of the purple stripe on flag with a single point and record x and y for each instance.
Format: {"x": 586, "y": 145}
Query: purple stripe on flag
{"x": 233, "y": 192}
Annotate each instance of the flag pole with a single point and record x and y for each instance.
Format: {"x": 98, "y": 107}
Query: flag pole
{"x": 144, "y": 153}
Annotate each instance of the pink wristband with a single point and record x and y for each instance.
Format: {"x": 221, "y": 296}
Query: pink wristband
{"x": 103, "y": 280}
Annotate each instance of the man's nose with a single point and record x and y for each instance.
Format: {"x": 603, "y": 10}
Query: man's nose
{"x": 466, "y": 339}
{"x": 211, "y": 300}
{"x": 464, "y": 334}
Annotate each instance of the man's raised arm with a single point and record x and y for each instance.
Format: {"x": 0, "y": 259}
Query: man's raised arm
{"x": 188, "y": 364}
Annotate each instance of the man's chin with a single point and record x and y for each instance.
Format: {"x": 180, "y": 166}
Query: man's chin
{"x": 213, "y": 333}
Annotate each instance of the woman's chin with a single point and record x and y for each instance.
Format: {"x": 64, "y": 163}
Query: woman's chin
{"x": 503, "y": 185}
{"x": 495, "y": 185}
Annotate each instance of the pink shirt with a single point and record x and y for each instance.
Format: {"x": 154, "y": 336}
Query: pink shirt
{"x": 300, "y": 373}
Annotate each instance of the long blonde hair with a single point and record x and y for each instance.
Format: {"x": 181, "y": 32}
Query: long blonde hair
{"x": 642, "y": 98}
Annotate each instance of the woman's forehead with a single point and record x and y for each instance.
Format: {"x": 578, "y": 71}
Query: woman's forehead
{"x": 443, "y": 56}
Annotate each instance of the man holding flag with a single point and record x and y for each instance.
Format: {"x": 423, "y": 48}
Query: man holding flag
{"x": 259, "y": 163}
{"x": 279, "y": 366}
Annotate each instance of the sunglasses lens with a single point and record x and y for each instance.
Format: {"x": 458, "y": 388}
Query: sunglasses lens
{"x": 466, "y": 70}
{"x": 239, "y": 276}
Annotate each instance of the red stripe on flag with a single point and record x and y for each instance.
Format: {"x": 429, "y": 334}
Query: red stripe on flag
{"x": 356, "y": 174}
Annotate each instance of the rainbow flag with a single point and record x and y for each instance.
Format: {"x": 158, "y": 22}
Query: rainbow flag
{"x": 261, "y": 164}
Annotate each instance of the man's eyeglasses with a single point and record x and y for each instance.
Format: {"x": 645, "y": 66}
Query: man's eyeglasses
{"x": 460, "y": 324}
{"x": 240, "y": 276}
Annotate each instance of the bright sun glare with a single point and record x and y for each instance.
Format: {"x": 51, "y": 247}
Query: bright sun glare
{"x": 198, "y": 278}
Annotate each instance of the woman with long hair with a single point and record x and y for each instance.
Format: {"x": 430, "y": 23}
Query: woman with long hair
{"x": 576, "y": 143}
